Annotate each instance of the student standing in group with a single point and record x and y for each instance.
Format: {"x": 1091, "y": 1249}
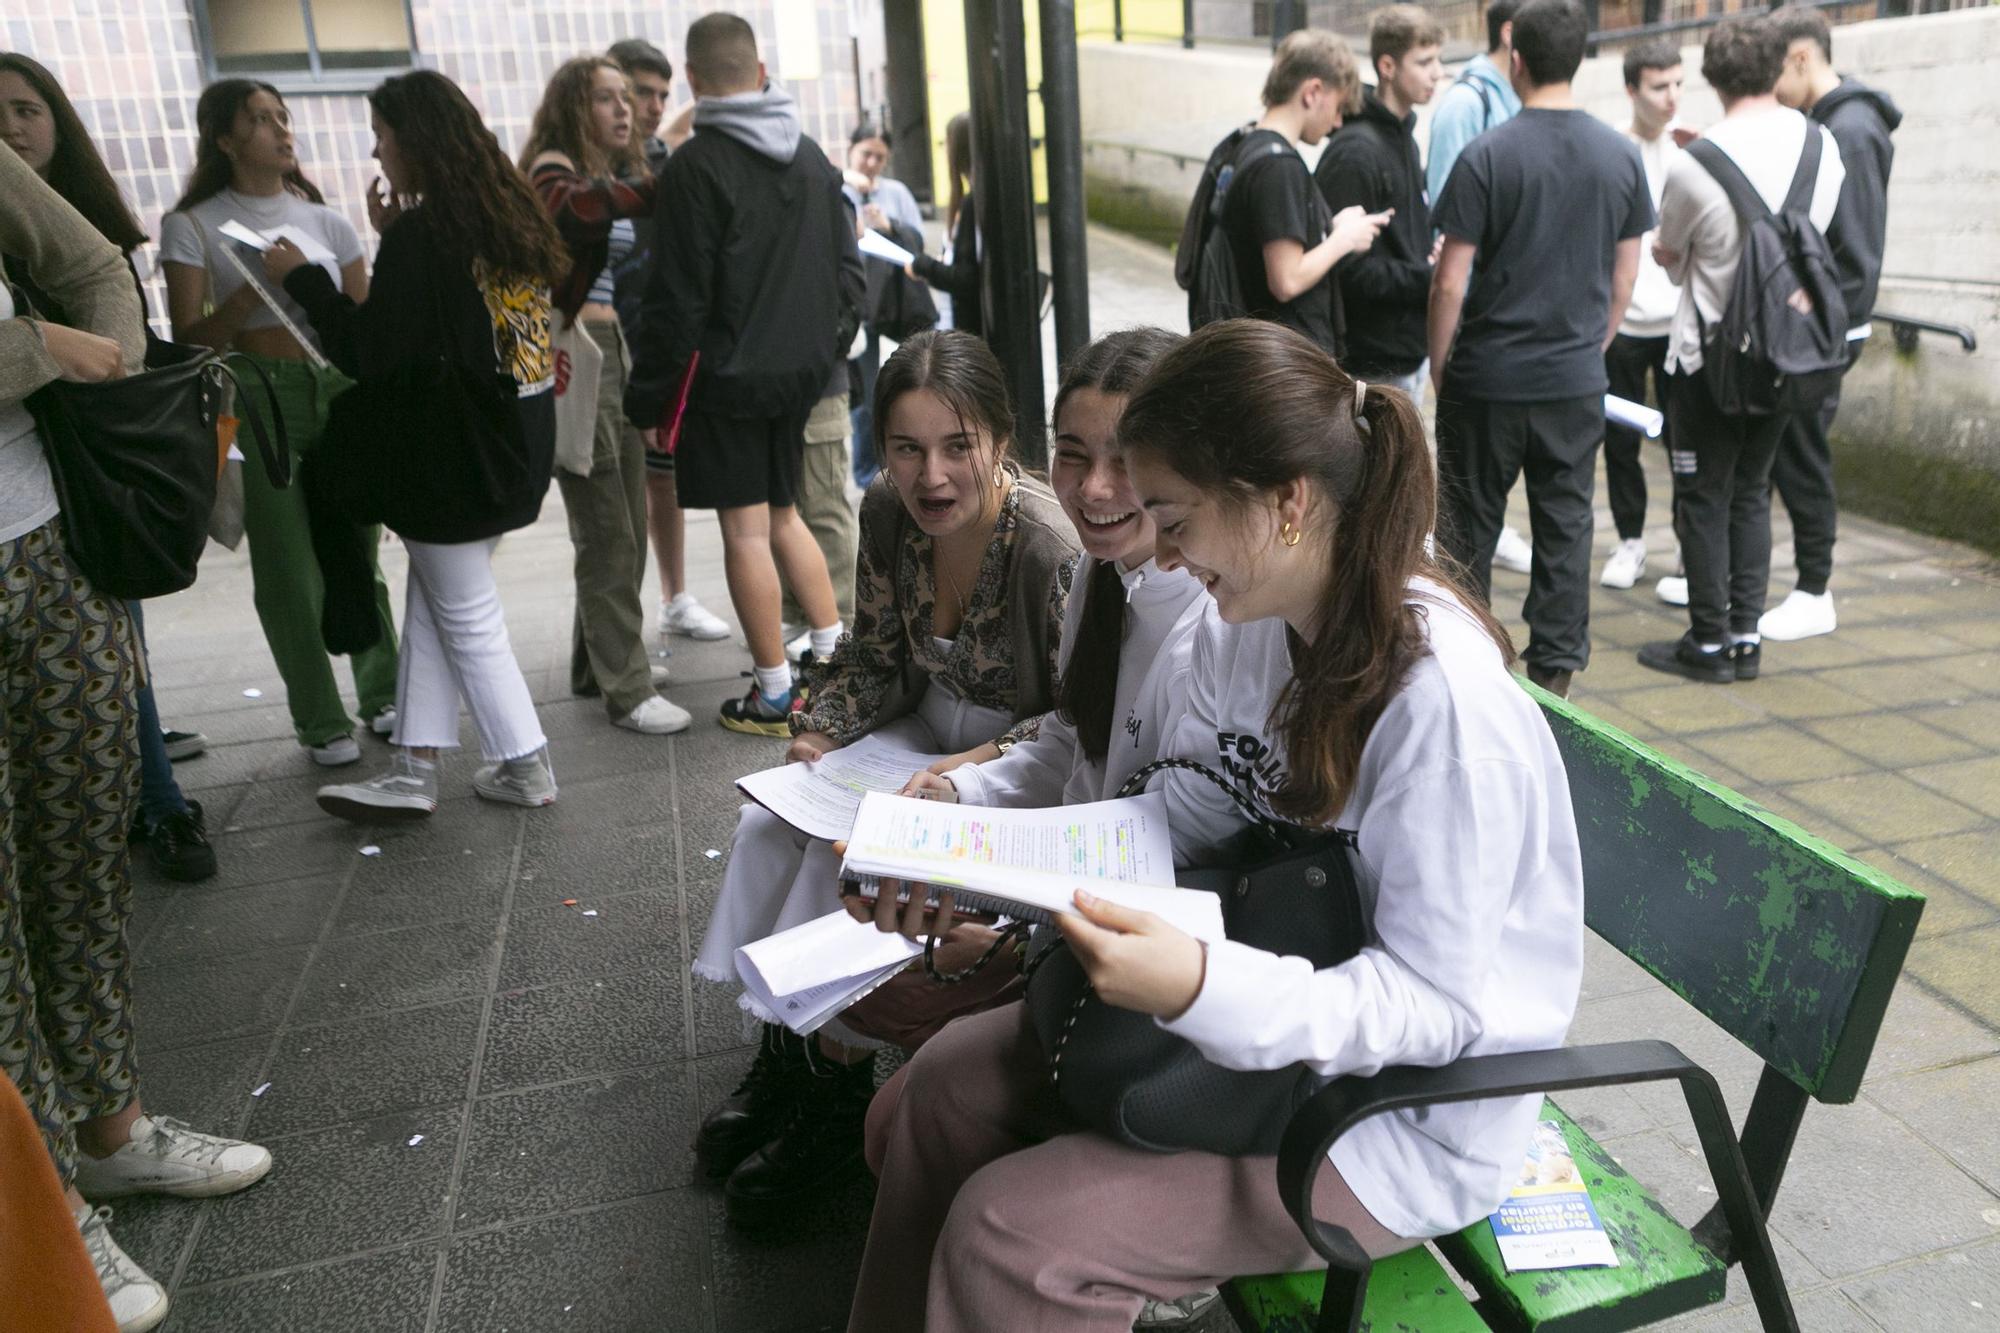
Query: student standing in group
{"x": 465, "y": 268}
{"x": 649, "y": 78}
{"x": 1861, "y": 119}
{"x": 246, "y": 170}
{"x": 1639, "y": 349}
{"x": 1541, "y": 219}
{"x": 737, "y": 342}
{"x": 957, "y": 272}
{"x": 69, "y": 666}
{"x": 580, "y": 139}
{"x": 1376, "y": 696}
{"x": 883, "y": 204}
{"x": 38, "y": 122}
{"x": 1481, "y": 99}
{"x": 1373, "y": 164}
{"x": 1722, "y": 461}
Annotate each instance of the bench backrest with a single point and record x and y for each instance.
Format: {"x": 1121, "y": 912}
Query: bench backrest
{"x": 1783, "y": 940}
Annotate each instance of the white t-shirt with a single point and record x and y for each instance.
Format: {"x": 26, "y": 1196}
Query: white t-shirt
{"x": 27, "y": 491}
{"x": 1699, "y": 226}
{"x": 194, "y": 237}
{"x": 1654, "y": 297}
{"x": 1471, "y": 881}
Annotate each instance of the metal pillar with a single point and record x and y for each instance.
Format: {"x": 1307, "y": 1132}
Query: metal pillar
{"x": 909, "y": 94}
{"x": 1062, "y": 140}
{"x": 1003, "y": 190}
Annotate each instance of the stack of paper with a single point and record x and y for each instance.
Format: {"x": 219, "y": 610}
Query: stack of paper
{"x": 809, "y": 973}
{"x": 820, "y": 799}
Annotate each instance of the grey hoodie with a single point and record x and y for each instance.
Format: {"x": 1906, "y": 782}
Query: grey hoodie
{"x": 766, "y": 122}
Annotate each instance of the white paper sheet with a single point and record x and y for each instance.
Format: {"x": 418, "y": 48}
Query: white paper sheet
{"x": 1648, "y": 421}
{"x": 243, "y": 235}
{"x": 809, "y": 973}
{"x": 819, "y": 799}
{"x": 874, "y": 243}
{"x": 309, "y": 245}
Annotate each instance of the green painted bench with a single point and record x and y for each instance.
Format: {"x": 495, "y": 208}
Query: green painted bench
{"x": 1783, "y": 941}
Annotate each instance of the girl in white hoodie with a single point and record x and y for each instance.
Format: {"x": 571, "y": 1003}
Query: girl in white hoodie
{"x": 1346, "y": 684}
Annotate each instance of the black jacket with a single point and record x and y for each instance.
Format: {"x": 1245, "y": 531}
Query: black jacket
{"x": 1373, "y": 162}
{"x": 753, "y": 259}
{"x": 1860, "y": 119}
{"x": 960, "y": 279}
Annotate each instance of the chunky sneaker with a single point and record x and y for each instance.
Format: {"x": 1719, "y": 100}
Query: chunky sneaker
{"x": 655, "y": 717}
{"x": 1627, "y": 564}
{"x": 1193, "y": 1313}
{"x": 752, "y": 1115}
{"x": 1673, "y": 590}
{"x": 691, "y": 620}
{"x": 384, "y": 722}
{"x": 756, "y": 715}
{"x": 137, "y": 1302}
{"x": 184, "y": 744}
{"x": 1749, "y": 659}
{"x": 1800, "y": 616}
{"x": 1685, "y": 657}
{"x": 165, "y": 1156}
{"x": 796, "y": 649}
{"x": 1513, "y": 552}
{"x": 660, "y": 674}
{"x": 332, "y": 754}
{"x": 180, "y": 846}
{"x": 409, "y": 790}
{"x": 819, "y": 1146}
{"x": 528, "y": 780}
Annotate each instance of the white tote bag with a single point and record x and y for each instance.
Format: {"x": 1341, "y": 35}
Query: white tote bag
{"x": 578, "y": 364}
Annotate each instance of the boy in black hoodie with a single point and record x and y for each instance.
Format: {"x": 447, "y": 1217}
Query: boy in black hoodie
{"x": 1861, "y": 120}
{"x": 1373, "y": 162}
{"x": 755, "y": 253}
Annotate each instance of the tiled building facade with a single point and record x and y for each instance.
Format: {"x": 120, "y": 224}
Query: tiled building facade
{"x": 135, "y": 67}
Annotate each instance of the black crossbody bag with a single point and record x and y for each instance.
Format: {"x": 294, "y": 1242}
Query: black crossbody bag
{"x": 1285, "y": 890}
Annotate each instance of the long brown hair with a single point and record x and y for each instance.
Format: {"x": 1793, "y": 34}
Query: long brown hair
{"x": 76, "y": 172}
{"x": 476, "y": 201}
{"x": 562, "y": 121}
{"x": 1244, "y": 407}
{"x": 1114, "y": 364}
{"x": 958, "y": 165}
{"x": 215, "y": 116}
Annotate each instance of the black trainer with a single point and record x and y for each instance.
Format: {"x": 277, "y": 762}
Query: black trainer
{"x": 1749, "y": 659}
{"x": 1685, "y": 657}
{"x": 180, "y": 847}
{"x": 819, "y": 1147}
{"x": 760, "y": 1107}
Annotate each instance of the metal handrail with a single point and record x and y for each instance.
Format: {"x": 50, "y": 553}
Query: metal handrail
{"x": 1905, "y": 328}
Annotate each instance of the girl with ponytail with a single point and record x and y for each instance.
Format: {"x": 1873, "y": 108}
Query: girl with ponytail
{"x": 1345, "y": 681}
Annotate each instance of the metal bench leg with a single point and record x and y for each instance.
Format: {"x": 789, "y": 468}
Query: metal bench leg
{"x": 1346, "y": 1289}
{"x": 1768, "y": 1134}
{"x": 1739, "y": 1204}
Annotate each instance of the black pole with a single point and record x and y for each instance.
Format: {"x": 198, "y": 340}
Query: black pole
{"x": 1117, "y": 20}
{"x": 909, "y": 95}
{"x": 1062, "y": 138}
{"x": 1187, "y": 24}
{"x": 1003, "y": 190}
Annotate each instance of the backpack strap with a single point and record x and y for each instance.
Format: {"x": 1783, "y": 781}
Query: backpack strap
{"x": 1798, "y": 199}
{"x": 1743, "y": 197}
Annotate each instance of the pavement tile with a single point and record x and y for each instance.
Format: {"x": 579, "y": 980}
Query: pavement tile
{"x": 799, "y": 1281}
{"x": 391, "y": 891}
{"x": 719, "y": 1025}
{"x": 383, "y": 1293}
{"x": 1819, "y": 652}
{"x": 229, "y": 726}
{"x": 634, "y": 1265}
{"x": 594, "y": 1141}
{"x": 1814, "y": 821}
{"x": 1975, "y": 672}
{"x": 1687, "y": 707}
{"x": 1893, "y": 641}
{"x": 1608, "y": 972}
{"x": 221, "y": 767}
{"x": 153, "y": 1229}
{"x": 547, "y": 943}
{"x": 1961, "y": 966}
{"x": 332, "y": 1073}
{"x": 334, "y": 1192}
{"x": 397, "y": 969}
{"x": 461, "y": 823}
{"x": 1974, "y": 782}
{"x": 1884, "y": 807}
{"x": 1606, "y": 708}
{"x": 1659, "y": 1013}
{"x": 1973, "y": 720}
{"x": 1970, "y": 861}
{"x": 265, "y": 856}
{"x": 1960, "y": 1290}
{"x": 1894, "y": 740}
{"x": 1947, "y": 908}
{"x": 192, "y": 1002}
{"x": 1793, "y": 697}
{"x": 604, "y": 864}
{"x": 593, "y": 808}
{"x": 208, "y": 1086}
{"x": 1952, "y": 1108}
{"x": 1824, "y": 1311}
{"x": 1777, "y": 754}
{"x": 198, "y": 923}
{"x": 1978, "y": 632}
{"x": 584, "y": 1028}
{"x": 1920, "y": 1032}
{"x": 1900, "y": 685}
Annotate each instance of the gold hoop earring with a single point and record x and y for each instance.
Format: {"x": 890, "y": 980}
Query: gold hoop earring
{"x": 1290, "y": 535}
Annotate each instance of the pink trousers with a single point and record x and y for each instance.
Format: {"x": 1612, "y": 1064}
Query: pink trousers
{"x": 994, "y": 1213}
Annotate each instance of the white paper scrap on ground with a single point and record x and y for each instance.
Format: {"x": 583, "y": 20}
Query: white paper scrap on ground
{"x": 811, "y": 972}
{"x": 1029, "y": 864}
{"x": 1549, "y": 1221}
{"x": 874, "y": 243}
{"x": 371, "y": 850}
{"x": 253, "y": 693}
{"x": 415, "y": 1139}
{"x": 1648, "y": 421}
{"x": 260, "y": 1090}
{"x": 820, "y": 799}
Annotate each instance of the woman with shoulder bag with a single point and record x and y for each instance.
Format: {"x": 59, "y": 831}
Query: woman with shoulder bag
{"x": 882, "y": 204}
{"x": 1349, "y": 684}
{"x": 463, "y": 274}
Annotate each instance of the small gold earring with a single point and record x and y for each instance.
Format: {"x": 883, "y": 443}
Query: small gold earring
{"x": 1289, "y": 535}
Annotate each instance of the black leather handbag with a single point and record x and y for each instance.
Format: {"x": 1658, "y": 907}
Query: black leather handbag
{"x": 1286, "y": 890}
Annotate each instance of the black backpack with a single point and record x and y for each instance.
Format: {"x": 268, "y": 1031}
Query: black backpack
{"x": 1204, "y": 265}
{"x": 1781, "y": 345}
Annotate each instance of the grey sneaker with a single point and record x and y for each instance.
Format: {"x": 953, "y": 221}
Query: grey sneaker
{"x": 1189, "y": 1313}
{"x": 409, "y": 790}
{"x": 167, "y": 1156}
{"x": 529, "y": 780}
{"x": 137, "y": 1302}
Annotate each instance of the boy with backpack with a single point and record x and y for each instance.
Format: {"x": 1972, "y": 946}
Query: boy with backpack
{"x": 1759, "y": 336}
{"x": 1259, "y": 241}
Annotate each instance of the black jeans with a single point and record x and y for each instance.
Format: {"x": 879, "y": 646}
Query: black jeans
{"x": 1722, "y": 508}
{"x": 1803, "y": 475}
{"x": 1626, "y": 363}
{"x": 1482, "y": 448}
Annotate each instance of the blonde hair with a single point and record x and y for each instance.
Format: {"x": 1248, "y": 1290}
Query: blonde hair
{"x": 1314, "y": 53}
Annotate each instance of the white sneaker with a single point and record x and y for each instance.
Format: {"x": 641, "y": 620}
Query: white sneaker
{"x": 1800, "y": 616}
{"x": 384, "y": 722}
{"x": 1513, "y": 552}
{"x": 529, "y": 780}
{"x": 799, "y": 647}
{"x": 1627, "y": 564}
{"x": 1673, "y": 590}
{"x": 660, "y": 674}
{"x": 137, "y": 1302}
{"x": 340, "y": 750}
{"x": 409, "y": 790}
{"x": 165, "y": 1156}
{"x": 657, "y": 716}
{"x": 691, "y": 620}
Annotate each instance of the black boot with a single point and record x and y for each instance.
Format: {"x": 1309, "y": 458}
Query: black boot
{"x": 819, "y": 1147}
{"x": 760, "y": 1107}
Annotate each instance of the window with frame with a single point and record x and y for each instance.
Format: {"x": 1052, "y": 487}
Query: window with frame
{"x": 303, "y": 43}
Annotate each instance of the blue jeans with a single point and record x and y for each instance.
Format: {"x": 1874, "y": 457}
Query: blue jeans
{"x": 159, "y": 795}
{"x": 861, "y": 415}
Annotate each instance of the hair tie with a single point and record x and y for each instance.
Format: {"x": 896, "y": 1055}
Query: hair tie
{"x": 1361, "y": 405}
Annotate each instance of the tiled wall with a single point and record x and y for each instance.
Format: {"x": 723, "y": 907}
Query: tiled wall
{"x": 133, "y": 70}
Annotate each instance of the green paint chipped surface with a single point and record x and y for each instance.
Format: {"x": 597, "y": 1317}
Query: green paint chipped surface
{"x": 1408, "y": 1293}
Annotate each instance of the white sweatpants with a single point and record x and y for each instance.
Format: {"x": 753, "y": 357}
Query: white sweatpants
{"x": 455, "y": 646}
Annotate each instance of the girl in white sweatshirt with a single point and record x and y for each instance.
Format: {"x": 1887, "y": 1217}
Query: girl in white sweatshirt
{"x": 1350, "y": 685}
